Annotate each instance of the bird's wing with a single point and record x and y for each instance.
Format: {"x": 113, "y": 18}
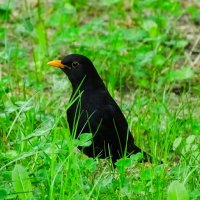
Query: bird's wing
{"x": 114, "y": 129}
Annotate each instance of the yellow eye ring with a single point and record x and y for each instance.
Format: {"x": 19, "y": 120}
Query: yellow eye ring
{"x": 75, "y": 64}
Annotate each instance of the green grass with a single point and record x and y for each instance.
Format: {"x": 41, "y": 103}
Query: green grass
{"x": 147, "y": 53}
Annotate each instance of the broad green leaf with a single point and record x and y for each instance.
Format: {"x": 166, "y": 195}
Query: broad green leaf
{"x": 159, "y": 60}
{"x": 109, "y": 2}
{"x": 124, "y": 162}
{"x": 181, "y": 44}
{"x": 177, "y": 191}
{"x": 85, "y": 139}
{"x": 151, "y": 27}
{"x": 69, "y": 8}
{"x": 146, "y": 174}
{"x": 177, "y": 142}
{"x": 10, "y": 154}
{"x": 136, "y": 157}
{"x": 181, "y": 74}
{"x": 159, "y": 170}
{"x": 21, "y": 182}
{"x": 89, "y": 164}
{"x": 190, "y": 139}
{"x": 139, "y": 187}
{"x": 133, "y": 34}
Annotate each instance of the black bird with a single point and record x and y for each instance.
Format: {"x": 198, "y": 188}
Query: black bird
{"x": 95, "y": 111}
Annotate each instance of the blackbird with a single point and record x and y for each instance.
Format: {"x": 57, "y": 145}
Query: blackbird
{"x": 93, "y": 110}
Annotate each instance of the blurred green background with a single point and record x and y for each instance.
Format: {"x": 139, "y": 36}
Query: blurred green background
{"x": 147, "y": 53}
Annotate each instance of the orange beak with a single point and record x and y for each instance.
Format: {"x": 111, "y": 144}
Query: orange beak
{"x": 56, "y": 63}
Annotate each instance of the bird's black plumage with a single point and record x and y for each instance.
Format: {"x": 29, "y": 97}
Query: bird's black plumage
{"x": 95, "y": 111}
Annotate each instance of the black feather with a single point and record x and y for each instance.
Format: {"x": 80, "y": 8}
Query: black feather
{"x": 96, "y": 112}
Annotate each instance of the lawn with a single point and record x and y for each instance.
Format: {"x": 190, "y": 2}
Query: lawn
{"x": 148, "y": 54}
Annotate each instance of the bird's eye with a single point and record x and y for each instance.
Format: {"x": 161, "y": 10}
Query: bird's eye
{"x": 75, "y": 64}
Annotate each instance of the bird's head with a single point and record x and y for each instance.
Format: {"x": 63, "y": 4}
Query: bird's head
{"x": 76, "y": 67}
